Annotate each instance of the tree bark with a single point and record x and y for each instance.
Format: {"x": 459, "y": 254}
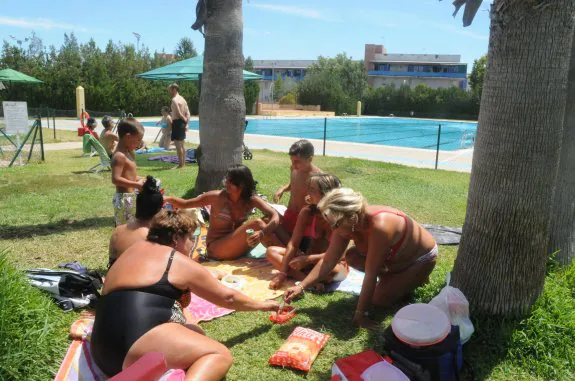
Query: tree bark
{"x": 222, "y": 106}
{"x": 562, "y": 234}
{"x": 502, "y": 257}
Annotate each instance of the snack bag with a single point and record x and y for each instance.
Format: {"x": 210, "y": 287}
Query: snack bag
{"x": 300, "y": 349}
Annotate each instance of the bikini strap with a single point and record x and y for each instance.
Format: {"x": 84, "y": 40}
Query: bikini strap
{"x": 170, "y": 261}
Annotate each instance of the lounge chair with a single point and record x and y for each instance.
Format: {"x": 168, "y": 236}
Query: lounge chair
{"x": 87, "y": 147}
{"x": 104, "y": 163}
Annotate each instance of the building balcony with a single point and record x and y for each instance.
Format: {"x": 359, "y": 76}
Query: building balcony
{"x": 276, "y": 76}
{"x": 385, "y": 73}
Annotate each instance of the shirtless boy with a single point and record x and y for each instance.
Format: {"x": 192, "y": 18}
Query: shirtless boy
{"x": 124, "y": 171}
{"x": 180, "y": 119}
{"x": 301, "y": 156}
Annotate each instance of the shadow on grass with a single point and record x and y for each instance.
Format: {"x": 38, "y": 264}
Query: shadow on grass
{"x": 57, "y": 227}
{"x": 239, "y": 339}
{"x": 487, "y": 347}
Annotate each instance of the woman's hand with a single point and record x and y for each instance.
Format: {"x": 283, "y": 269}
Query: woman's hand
{"x": 255, "y": 238}
{"x": 277, "y": 281}
{"x": 292, "y": 293}
{"x": 269, "y": 305}
{"x": 365, "y": 322}
{"x": 299, "y": 263}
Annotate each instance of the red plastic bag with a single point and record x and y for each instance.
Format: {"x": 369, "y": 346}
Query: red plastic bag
{"x": 285, "y": 314}
{"x": 300, "y": 349}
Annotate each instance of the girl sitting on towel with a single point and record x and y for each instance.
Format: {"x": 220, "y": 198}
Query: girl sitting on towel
{"x": 148, "y": 203}
{"x": 227, "y": 238}
{"x": 302, "y": 253}
{"x": 395, "y": 252}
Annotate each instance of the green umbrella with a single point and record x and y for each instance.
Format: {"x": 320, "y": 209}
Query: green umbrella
{"x": 186, "y": 70}
{"x": 13, "y": 76}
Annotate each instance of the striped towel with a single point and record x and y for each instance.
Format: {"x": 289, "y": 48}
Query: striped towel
{"x": 78, "y": 364}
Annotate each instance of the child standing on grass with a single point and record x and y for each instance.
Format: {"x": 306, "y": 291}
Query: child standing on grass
{"x": 108, "y": 139}
{"x": 166, "y": 125}
{"x": 301, "y": 156}
{"x": 124, "y": 171}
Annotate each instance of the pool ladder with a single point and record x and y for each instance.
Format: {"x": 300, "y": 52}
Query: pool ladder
{"x": 467, "y": 137}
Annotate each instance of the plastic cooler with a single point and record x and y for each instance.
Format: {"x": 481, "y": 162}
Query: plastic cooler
{"x": 420, "y": 325}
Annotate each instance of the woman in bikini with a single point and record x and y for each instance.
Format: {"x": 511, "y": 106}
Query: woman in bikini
{"x": 302, "y": 253}
{"x": 227, "y": 238}
{"x": 387, "y": 244}
{"x": 140, "y": 310}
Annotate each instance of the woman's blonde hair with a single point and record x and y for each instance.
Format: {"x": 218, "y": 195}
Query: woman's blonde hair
{"x": 169, "y": 225}
{"x": 325, "y": 182}
{"x": 342, "y": 203}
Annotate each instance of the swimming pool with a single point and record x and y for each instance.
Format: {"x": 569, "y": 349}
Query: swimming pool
{"x": 400, "y": 132}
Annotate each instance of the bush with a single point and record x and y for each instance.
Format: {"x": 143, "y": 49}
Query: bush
{"x": 33, "y": 332}
{"x": 288, "y": 99}
{"x": 424, "y": 101}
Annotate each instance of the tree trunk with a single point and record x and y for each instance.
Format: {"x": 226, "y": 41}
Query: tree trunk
{"x": 562, "y": 234}
{"x": 502, "y": 257}
{"x": 222, "y": 106}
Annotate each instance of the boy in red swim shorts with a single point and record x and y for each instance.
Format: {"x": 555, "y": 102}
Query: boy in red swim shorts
{"x": 301, "y": 156}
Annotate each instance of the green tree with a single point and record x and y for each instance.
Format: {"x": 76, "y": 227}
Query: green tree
{"x": 345, "y": 79}
{"x": 477, "y": 75}
{"x": 185, "y": 49}
{"x": 251, "y": 88}
{"x": 278, "y": 88}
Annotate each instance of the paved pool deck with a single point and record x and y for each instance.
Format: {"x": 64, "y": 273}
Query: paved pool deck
{"x": 459, "y": 160}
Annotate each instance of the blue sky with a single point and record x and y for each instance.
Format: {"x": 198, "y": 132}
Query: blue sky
{"x": 273, "y": 29}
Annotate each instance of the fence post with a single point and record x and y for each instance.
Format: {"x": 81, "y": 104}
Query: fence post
{"x": 324, "y": 134}
{"x": 54, "y": 121}
{"x": 438, "y": 142}
{"x": 47, "y": 118}
{"x": 41, "y": 139}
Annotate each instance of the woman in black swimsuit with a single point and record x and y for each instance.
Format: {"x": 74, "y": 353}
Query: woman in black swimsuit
{"x": 140, "y": 311}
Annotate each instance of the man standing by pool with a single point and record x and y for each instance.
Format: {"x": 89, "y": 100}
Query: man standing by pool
{"x": 180, "y": 120}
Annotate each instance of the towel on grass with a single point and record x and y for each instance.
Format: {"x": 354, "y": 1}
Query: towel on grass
{"x": 351, "y": 284}
{"x": 202, "y": 310}
{"x": 257, "y": 274}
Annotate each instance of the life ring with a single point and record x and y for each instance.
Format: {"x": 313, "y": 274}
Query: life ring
{"x": 84, "y": 114}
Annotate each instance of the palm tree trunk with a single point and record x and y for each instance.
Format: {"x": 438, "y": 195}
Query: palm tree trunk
{"x": 562, "y": 234}
{"x": 222, "y": 106}
{"x": 501, "y": 261}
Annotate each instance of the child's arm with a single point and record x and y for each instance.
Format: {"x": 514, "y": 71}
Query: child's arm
{"x": 207, "y": 198}
{"x": 303, "y": 220}
{"x": 278, "y": 195}
{"x": 118, "y": 180}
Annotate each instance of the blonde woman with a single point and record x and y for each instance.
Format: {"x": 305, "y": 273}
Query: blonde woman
{"x": 386, "y": 244}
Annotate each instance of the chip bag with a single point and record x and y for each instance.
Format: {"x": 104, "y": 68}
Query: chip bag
{"x": 300, "y": 349}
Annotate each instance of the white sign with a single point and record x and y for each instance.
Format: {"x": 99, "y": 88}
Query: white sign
{"x": 16, "y": 116}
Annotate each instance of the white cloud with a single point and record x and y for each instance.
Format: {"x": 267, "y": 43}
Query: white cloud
{"x": 463, "y": 32}
{"x": 39, "y": 24}
{"x": 309, "y": 13}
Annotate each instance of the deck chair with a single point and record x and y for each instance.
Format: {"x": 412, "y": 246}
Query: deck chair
{"x": 87, "y": 147}
{"x": 101, "y": 151}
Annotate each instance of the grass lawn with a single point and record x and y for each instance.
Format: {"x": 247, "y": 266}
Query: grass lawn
{"x": 56, "y": 212}
{"x": 48, "y": 135}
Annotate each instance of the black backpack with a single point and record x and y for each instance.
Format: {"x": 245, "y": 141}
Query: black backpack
{"x": 439, "y": 362}
{"x": 70, "y": 289}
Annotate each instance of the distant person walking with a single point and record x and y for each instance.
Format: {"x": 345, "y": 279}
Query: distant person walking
{"x": 180, "y": 120}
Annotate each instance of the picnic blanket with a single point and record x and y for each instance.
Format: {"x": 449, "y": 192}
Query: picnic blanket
{"x": 351, "y": 284}
{"x": 444, "y": 235}
{"x": 257, "y": 274}
{"x": 151, "y": 150}
{"x": 202, "y": 310}
{"x": 78, "y": 364}
{"x": 190, "y": 157}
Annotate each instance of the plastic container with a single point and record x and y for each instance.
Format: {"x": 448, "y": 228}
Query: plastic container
{"x": 233, "y": 281}
{"x": 420, "y": 325}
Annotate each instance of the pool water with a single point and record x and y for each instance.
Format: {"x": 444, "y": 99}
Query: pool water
{"x": 400, "y": 132}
